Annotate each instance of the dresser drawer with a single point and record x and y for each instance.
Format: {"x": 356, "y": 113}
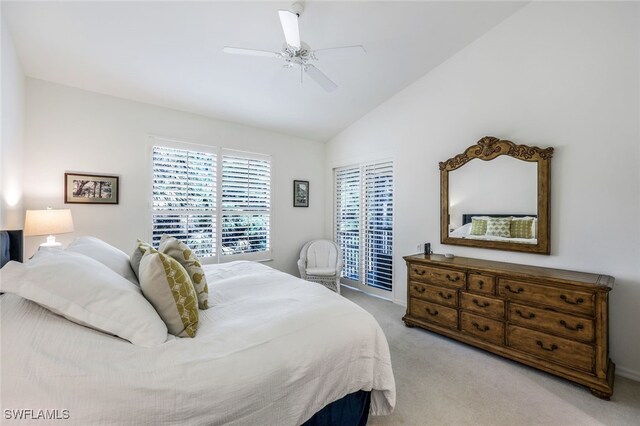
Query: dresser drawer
{"x": 556, "y": 349}
{"x": 566, "y": 300}
{"x": 484, "y": 328}
{"x": 444, "y": 296}
{"x": 478, "y": 283}
{"x": 487, "y": 306}
{"x": 440, "y": 276}
{"x": 432, "y": 312}
{"x": 574, "y": 327}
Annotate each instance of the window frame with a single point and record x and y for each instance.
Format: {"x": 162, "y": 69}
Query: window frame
{"x": 219, "y": 152}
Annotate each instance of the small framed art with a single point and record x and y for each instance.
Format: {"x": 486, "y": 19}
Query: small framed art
{"x": 82, "y": 188}
{"x": 300, "y": 193}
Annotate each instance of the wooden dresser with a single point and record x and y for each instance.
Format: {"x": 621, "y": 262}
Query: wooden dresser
{"x": 550, "y": 319}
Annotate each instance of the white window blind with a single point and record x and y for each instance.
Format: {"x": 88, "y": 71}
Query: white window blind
{"x": 187, "y": 185}
{"x": 364, "y": 222}
{"x": 378, "y": 224}
{"x": 184, "y": 198}
{"x": 246, "y": 204}
{"x": 348, "y": 220}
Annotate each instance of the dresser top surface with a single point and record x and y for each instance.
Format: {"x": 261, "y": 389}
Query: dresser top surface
{"x": 501, "y": 268}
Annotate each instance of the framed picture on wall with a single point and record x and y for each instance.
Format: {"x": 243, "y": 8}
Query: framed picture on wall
{"x": 300, "y": 193}
{"x": 82, "y": 188}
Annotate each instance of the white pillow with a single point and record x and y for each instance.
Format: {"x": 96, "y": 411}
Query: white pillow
{"x": 114, "y": 258}
{"x": 462, "y": 231}
{"x": 86, "y": 292}
{"x": 499, "y": 227}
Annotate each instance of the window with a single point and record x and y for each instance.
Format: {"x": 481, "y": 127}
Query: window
{"x": 184, "y": 198}
{"x": 200, "y": 195}
{"x": 348, "y": 220}
{"x": 246, "y": 203}
{"x": 364, "y": 223}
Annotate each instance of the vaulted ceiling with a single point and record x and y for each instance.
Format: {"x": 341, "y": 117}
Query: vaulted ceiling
{"x": 170, "y": 54}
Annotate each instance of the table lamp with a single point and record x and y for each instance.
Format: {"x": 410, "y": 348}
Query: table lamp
{"x": 48, "y": 222}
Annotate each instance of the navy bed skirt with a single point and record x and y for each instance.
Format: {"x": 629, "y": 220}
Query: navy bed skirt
{"x": 352, "y": 410}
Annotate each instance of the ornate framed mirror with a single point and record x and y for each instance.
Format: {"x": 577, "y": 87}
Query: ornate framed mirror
{"x": 496, "y": 195}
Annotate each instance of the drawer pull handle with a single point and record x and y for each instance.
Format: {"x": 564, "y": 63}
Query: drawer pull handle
{"x": 578, "y": 301}
{"x": 484, "y": 328}
{"x": 419, "y": 289}
{"x": 419, "y": 272}
{"x": 432, "y": 313}
{"x": 578, "y": 326}
{"x": 530, "y": 315}
{"x": 480, "y": 305}
{"x": 445, "y": 296}
{"x": 457, "y": 278}
{"x": 518, "y": 290}
{"x": 480, "y": 284}
{"x": 552, "y": 348}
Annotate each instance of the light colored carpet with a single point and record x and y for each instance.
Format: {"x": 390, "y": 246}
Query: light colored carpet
{"x": 442, "y": 382}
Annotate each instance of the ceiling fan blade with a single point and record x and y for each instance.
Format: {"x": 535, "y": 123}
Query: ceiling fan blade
{"x": 250, "y": 52}
{"x": 358, "y": 48}
{"x": 319, "y": 77}
{"x": 289, "y": 21}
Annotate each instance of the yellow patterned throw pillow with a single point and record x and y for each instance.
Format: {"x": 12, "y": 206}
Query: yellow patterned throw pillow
{"x": 136, "y": 256}
{"x": 166, "y": 285}
{"x": 478, "y": 226}
{"x": 182, "y": 253}
{"x": 522, "y": 228}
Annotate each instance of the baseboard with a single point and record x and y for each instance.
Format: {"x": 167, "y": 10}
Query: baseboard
{"x": 627, "y": 373}
{"x": 400, "y": 302}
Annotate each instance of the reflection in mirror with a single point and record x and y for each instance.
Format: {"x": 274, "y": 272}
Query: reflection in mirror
{"x": 503, "y": 187}
{"x": 495, "y": 195}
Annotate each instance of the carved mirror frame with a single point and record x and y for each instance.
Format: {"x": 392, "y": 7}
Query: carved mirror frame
{"x": 487, "y": 149}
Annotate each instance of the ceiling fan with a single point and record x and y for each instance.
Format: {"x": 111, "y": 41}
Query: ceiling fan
{"x": 295, "y": 52}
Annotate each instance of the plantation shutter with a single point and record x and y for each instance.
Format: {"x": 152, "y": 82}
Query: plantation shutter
{"x": 246, "y": 203}
{"x": 348, "y": 219}
{"x": 378, "y": 224}
{"x": 364, "y": 223}
{"x": 184, "y": 198}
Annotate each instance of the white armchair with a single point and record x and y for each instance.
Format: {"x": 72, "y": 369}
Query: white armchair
{"x": 321, "y": 262}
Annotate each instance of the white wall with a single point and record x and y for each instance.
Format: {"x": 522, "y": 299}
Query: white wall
{"x": 554, "y": 74}
{"x": 73, "y": 130}
{"x": 12, "y": 112}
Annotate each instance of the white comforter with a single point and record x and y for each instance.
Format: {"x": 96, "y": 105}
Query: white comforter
{"x": 272, "y": 350}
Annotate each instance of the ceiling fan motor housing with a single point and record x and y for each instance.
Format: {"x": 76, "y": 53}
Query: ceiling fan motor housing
{"x": 297, "y": 8}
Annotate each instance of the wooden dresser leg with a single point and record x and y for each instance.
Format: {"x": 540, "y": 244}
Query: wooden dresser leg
{"x": 602, "y": 395}
{"x": 407, "y": 324}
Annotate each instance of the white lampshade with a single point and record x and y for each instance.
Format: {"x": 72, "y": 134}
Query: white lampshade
{"x": 48, "y": 222}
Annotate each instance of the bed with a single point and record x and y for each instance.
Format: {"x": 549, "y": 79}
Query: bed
{"x": 273, "y": 350}
{"x": 464, "y": 230}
